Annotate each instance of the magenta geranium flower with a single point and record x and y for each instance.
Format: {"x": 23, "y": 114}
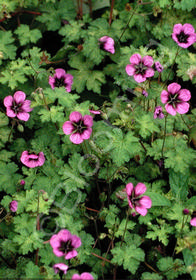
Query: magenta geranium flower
{"x": 158, "y": 66}
{"x": 64, "y": 244}
{"x": 135, "y": 200}
{"x": 83, "y": 276}
{"x": 158, "y": 113}
{"x": 140, "y": 68}
{"x": 60, "y": 267}
{"x": 32, "y": 160}
{"x": 79, "y": 127}
{"x": 13, "y": 206}
{"x": 61, "y": 79}
{"x": 107, "y": 43}
{"x": 17, "y": 106}
{"x": 175, "y": 99}
{"x": 184, "y": 35}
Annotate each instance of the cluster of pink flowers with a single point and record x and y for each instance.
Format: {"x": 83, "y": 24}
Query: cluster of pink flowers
{"x": 64, "y": 244}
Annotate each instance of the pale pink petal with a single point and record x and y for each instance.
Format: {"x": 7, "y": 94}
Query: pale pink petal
{"x": 86, "y": 276}
{"x": 71, "y": 254}
{"x": 145, "y": 201}
{"x": 33, "y": 156}
{"x": 184, "y": 95}
{"x": 175, "y": 38}
{"x": 64, "y": 235}
{"x": 191, "y": 39}
{"x": 75, "y": 117}
{"x": 182, "y": 108}
{"x": 95, "y": 112}
{"x": 103, "y": 39}
{"x": 10, "y": 113}
{"x": 139, "y": 78}
{"x": 177, "y": 28}
{"x": 76, "y": 138}
{"x": 129, "y": 189}
{"x": 76, "y": 277}
{"x": 68, "y": 82}
{"x": 26, "y": 106}
{"x": 41, "y": 159}
{"x": 51, "y": 82}
{"x": 55, "y": 241}
{"x": 170, "y": 109}
{"x": 140, "y": 189}
{"x": 88, "y": 120}
{"x": 135, "y": 58}
{"x": 86, "y": 134}
{"x": 57, "y": 252}
{"x": 164, "y": 96}
{"x": 174, "y": 88}
{"x": 60, "y": 266}
{"x": 19, "y": 97}
{"x": 59, "y": 72}
{"x": 23, "y": 116}
{"x": 68, "y": 127}
{"x": 148, "y": 60}
{"x": 141, "y": 210}
{"x": 130, "y": 69}
{"x": 193, "y": 222}
{"x": 24, "y": 156}
{"x": 8, "y": 101}
{"x": 149, "y": 73}
{"x": 76, "y": 241}
{"x": 188, "y": 28}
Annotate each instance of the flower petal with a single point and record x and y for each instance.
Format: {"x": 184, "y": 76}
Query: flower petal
{"x": 139, "y": 78}
{"x": 41, "y": 159}
{"x": 26, "y": 106}
{"x": 68, "y": 82}
{"x": 88, "y": 120}
{"x": 10, "y": 113}
{"x": 145, "y": 201}
{"x": 130, "y": 69}
{"x": 141, "y": 210}
{"x": 75, "y": 117}
{"x": 76, "y": 138}
{"x": 76, "y": 277}
{"x": 188, "y": 29}
{"x": 58, "y": 253}
{"x": 148, "y": 60}
{"x": 76, "y": 241}
{"x": 149, "y": 73}
{"x": 164, "y": 96}
{"x": 170, "y": 109}
{"x": 60, "y": 266}
{"x": 173, "y": 88}
{"x": 184, "y": 95}
{"x": 86, "y": 134}
{"x": 140, "y": 189}
{"x": 193, "y": 222}
{"x": 59, "y": 72}
{"x": 135, "y": 58}
{"x": 8, "y": 101}
{"x": 71, "y": 254}
{"x": 182, "y": 108}
{"x": 23, "y": 116}
{"x": 51, "y": 82}
{"x": 86, "y": 276}
{"x": 19, "y": 97}
{"x": 68, "y": 127}
{"x": 129, "y": 189}
{"x": 177, "y": 28}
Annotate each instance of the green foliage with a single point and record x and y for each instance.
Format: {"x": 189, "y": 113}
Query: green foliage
{"x": 171, "y": 268}
{"x": 26, "y": 35}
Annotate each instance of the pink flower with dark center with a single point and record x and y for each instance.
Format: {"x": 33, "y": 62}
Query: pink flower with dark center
{"x": 175, "y": 99}
{"x": 17, "y": 106}
{"x": 61, "y": 79}
{"x": 158, "y": 113}
{"x": 13, "y": 206}
{"x": 32, "y": 160}
{"x": 107, "y": 44}
{"x": 64, "y": 244}
{"x": 140, "y": 68}
{"x": 136, "y": 201}
{"x": 158, "y": 66}
{"x": 83, "y": 276}
{"x": 79, "y": 127}
{"x": 60, "y": 267}
{"x": 184, "y": 35}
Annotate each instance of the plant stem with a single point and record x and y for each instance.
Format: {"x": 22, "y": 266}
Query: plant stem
{"x": 111, "y": 11}
{"x": 37, "y": 228}
{"x": 101, "y": 257}
{"x": 164, "y": 136}
{"x": 127, "y": 219}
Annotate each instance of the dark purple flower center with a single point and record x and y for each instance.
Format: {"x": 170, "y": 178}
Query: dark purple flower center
{"x": 182, "y": 37}
{"x": 102, "y": 45}
{"x": 60, "y": 82}
{"x": 80, "y": 127}
{"x": 173, "y": 99}
{"x": 140, "y": 68}
{"x": 16, "y": 107}
{"x": 66, "y": 247}
{"x": 134, "y": 200}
